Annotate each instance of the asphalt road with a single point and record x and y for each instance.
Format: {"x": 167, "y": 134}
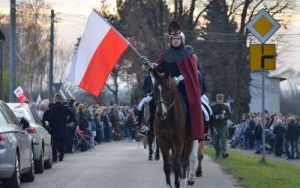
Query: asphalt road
{"x": 119, "y": 165}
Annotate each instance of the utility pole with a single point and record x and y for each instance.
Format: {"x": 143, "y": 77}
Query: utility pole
{"x": 12, "y": 51}
{"x": 51, "y": 56}
{"x": 2, "y": 38}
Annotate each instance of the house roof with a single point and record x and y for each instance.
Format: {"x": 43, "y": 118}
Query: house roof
{"x": 278, "y": 78}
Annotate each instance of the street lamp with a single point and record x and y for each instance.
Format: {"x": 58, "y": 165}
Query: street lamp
{"x": 2, "y": 39}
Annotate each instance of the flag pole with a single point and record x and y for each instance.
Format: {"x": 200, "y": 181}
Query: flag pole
{"x": 129, "y": 43}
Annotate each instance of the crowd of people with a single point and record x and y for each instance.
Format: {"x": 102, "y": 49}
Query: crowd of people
{"x": 70, "y": 122}
{"x": 79, "y": 126}
{"x": 282, "y": 133}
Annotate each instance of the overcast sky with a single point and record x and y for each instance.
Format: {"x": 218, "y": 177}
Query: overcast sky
{"x": 72, "y": 16}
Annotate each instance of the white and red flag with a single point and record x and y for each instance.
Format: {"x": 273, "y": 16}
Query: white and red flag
{"x": 100, "y": 48}
{"x": 20, "y": 94}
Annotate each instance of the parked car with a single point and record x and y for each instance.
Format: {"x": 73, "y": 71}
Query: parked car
{"x": 41, "y": 137}
{"x": 16, "y": 149}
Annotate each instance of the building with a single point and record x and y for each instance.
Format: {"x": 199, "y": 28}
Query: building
{"x": 272, "y": 93}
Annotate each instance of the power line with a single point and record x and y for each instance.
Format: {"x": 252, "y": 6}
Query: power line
{"x": 71, "y": 20}
{"x": 74, "y": 15}
{"x": 72, "y": 26}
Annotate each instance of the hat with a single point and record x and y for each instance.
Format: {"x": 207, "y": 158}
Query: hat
{"x": 220, "y": 96}
{"x": 174, "y": 30}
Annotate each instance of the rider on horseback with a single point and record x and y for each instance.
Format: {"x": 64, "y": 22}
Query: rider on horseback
{"x": 148, "y": 98}
{"x": 181, "y": 63}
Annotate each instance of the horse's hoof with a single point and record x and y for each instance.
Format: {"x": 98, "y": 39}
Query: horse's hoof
{"x": 157, "y": 157}
{"x": 191, "y": 182}
{"x": 150, "y": 158}
{"x": 198, "y": 173}
{"x": 183, "y": 182}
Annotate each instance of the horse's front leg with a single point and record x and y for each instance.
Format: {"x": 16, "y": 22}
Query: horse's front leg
{"x": 166, "y": 159}
{"x": 177, "y": 152}
{"x": 185, "y": 159}
{"x": 193, "y": 162}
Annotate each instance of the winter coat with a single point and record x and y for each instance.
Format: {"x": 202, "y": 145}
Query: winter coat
{"x": 258, "y": 132}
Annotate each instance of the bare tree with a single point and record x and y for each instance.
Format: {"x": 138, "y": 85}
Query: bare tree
{"x": 63, "y": 56}
{"x": 32, "y": 47}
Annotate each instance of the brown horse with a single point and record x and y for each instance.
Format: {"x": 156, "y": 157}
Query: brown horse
{"x": 170, "y": 127}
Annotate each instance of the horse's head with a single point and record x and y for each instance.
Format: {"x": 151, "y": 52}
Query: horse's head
{"x": 164, "y": 92}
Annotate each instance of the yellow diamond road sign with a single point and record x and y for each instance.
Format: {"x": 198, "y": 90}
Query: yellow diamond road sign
{"x": 262, "y": 57}
{"x": 263, "y": 26}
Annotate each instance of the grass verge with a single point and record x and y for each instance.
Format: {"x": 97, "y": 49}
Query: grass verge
{"x": 251, "y": 173}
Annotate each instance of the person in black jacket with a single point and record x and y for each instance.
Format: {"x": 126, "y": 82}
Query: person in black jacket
{"x": 46, "y": 118}
{"x": 279, "y": 132}
{"x": 148, "y": 84}
{"x": 82, "y": 118}
{"x": 71, "y": 126}
{"x": 59, "y": 116}
{"x": 257, "y": 135}
{"x": 292, "y": 137}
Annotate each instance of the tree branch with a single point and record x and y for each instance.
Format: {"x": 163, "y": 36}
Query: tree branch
{"x": 233, "y": 10}
{"x": 273, "y": 8}
{"x": 200, "y": 14}
{"x": 254, "y": 8}
{"x": 244, "y": 15}
{"x": 192, "y": 9}
{"x": 175, "y": 9}
{"x": 231, "y": 7}
{"x": 109, "y": 88}
{"x": 281, "y": 9}
{"x": 180, "y": 12}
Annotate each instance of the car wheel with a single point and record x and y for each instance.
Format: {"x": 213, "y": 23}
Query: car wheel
{"x": 15, "y": 180}
{"x": 39, "y": 165}
{"x": 29, "y": 176}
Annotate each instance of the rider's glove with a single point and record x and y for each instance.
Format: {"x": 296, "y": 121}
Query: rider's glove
{"x": 148, "y": 99}
{"x": 147, "y": 63}
{"x": 178, "y": 79}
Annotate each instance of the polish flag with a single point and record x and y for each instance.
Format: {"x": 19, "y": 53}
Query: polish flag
{"x": 100, "y": 48}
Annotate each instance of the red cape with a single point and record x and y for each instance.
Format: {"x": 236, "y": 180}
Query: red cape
{"x": 187, "y": 67}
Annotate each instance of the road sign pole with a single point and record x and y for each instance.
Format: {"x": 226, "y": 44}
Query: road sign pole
{"x": 263, "y": 117}
{"x": 263, "y": 104}
{"x": 262, "y": 26}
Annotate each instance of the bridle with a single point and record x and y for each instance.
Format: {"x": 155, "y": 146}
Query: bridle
{"x": 169, "y": 106}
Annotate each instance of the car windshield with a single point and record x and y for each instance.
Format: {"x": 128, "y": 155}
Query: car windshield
{"x": 2, "y": 120}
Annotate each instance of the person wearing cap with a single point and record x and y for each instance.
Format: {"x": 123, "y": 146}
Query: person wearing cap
{"x": 220, "y": 116}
